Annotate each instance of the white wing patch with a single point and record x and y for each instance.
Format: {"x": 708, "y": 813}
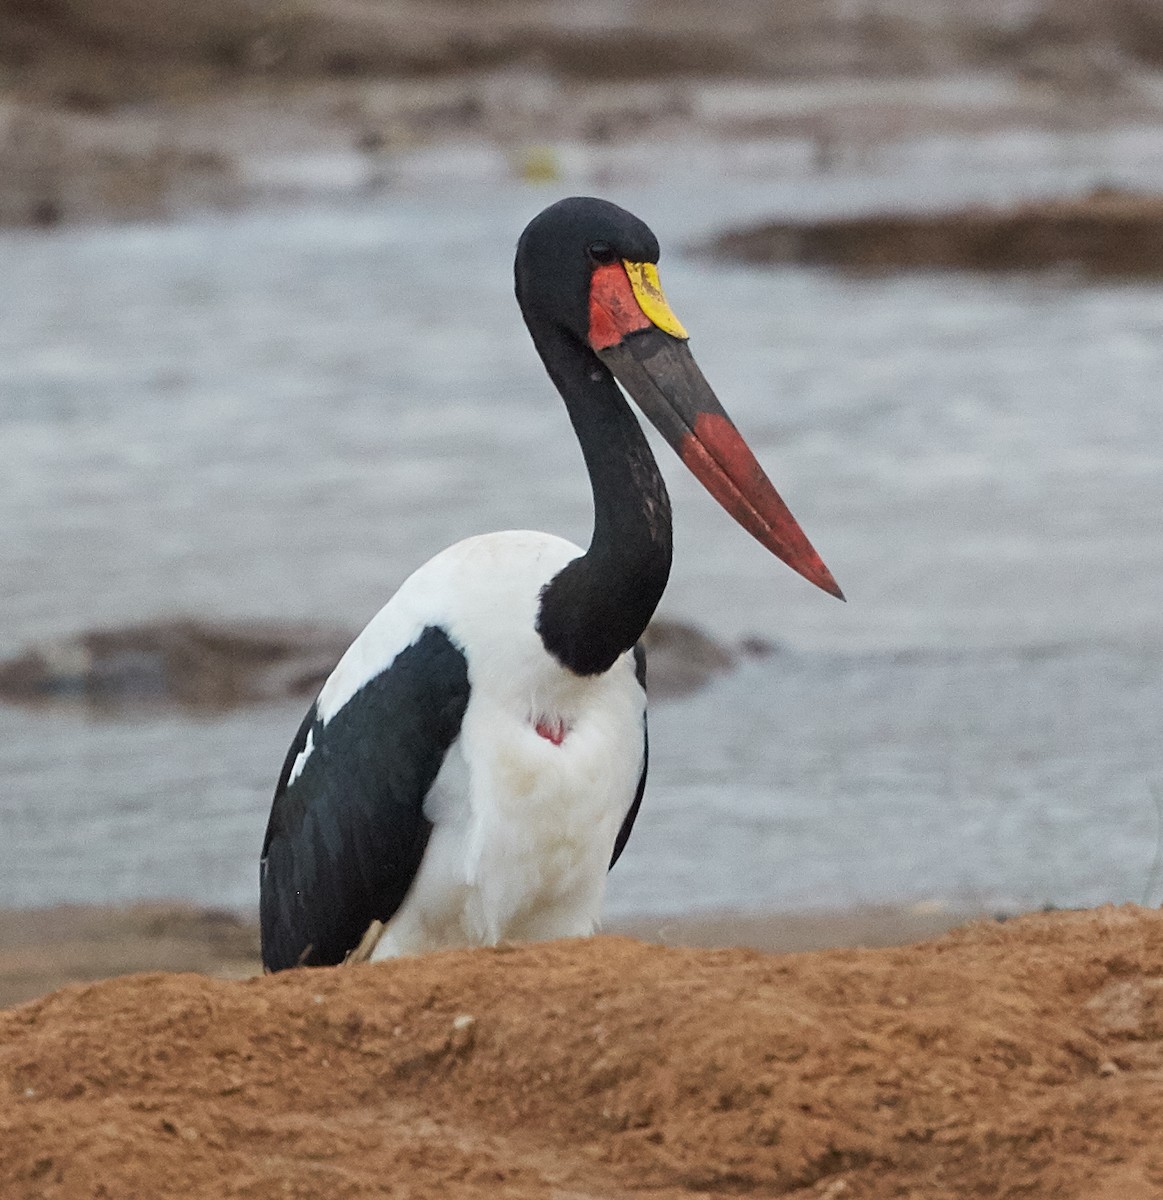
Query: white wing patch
{"x": 483, "y": 592}
{"x": 301, "y": 758}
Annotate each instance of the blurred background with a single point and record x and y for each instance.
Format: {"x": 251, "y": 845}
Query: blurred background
{"x": 259, "y": 358}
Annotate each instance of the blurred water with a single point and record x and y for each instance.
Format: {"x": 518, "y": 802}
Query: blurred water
{"x": 280, "y": 415}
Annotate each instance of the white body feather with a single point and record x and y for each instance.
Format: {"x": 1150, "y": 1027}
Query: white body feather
{"x": 523, "y": 829}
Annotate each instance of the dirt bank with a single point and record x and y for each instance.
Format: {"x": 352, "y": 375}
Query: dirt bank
{"x": 1021, "y": 1059}
{"x": 1108, "y": 233}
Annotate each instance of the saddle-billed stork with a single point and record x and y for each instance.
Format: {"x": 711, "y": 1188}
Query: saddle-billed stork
{"x": 474, "y": 764}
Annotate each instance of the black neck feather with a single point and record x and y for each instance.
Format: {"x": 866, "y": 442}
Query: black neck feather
{"x": 596, "y": 609}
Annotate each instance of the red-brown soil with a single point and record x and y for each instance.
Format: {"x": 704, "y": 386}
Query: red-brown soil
{"x": 1002, "y": 1060}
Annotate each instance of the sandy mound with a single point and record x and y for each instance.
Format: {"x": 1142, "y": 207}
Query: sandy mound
{"x": 1106, "y": 233}
{"x": 1002, "y": 1060}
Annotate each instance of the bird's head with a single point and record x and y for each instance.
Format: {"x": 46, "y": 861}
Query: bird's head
{"x": 572, "y": 255}
{"x": 590, "y": 268}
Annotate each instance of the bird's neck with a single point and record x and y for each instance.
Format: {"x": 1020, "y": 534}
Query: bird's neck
{"x": 595, "y": 609}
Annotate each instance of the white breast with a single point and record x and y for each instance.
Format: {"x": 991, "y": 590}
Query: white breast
{"x": 523, "y": 829}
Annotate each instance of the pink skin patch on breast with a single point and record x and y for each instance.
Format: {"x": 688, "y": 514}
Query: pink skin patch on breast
{"x": 551, "y": 731}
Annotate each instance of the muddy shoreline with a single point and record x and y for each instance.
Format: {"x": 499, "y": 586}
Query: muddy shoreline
{"x": 45, "y": 949}
{"x": 118, "y": 111}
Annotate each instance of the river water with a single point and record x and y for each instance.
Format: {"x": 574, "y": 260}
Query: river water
{"x": 280, "y": 414}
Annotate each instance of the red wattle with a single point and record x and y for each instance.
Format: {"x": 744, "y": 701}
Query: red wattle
{"x": 614, "y": 310}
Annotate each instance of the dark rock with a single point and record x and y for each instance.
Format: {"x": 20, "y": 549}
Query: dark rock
{"x": 1108, "y": 233}
{"x": 201, "y": 665}
{"x": 187, "y": 662}
{"x": 681, "y": 659}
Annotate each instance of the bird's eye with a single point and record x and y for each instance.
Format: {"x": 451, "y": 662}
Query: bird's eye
{"x": 602, "y": 252}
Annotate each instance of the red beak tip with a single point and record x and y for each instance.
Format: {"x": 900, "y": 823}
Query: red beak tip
{"x": 826, "y": 583}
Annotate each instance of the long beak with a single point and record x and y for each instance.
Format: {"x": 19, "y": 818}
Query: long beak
{"x": 658, "y": 371}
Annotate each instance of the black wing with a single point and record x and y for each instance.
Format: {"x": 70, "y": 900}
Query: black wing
{"x": 628, "y": 824}
{"x": 345, "y": 839}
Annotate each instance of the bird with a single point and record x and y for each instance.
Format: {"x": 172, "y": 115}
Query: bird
{"x": 473, "y": 766}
